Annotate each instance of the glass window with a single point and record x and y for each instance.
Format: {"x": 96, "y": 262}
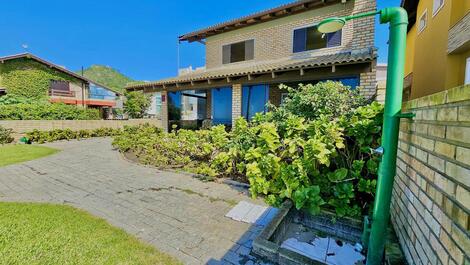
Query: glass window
{"x": 174, "y": 106}
{"x": 436, "y": 6}
{"x": 97, "y": 92}
{"x": 423, "y": 21}
{"x": 309, "y": 38}
{"x": 193, "y": 105}
{"x": 254, "y": 99}
{"x": 351, "y": 81}
{"x": 222, "y": 105}
{"x": 237, "y": 52}
{"x": 155, "y": 108}
{"x": 467, "y": 72}
{"x": 315, "y": 39}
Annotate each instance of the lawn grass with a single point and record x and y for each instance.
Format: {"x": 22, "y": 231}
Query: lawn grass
{"x": 11, "y": 154}
{"x": 33, "y": 233}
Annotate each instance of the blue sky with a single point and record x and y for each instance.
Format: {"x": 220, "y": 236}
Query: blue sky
{"x": 137, "y": 37}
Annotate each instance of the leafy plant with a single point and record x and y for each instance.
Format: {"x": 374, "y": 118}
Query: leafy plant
{"x": 136, "y": 104}
{"x": 329, "y": 98}
{"x": 9, "y": 99}
{"x": 67, "y": 134}
{"x": 318, "y": 159}
{"x": 5, "y": 135}
{"x": 28, "y": 78}
{"x": 43, "y": 110}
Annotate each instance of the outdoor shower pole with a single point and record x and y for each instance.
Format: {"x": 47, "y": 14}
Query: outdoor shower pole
{"x": 398, "y": 19}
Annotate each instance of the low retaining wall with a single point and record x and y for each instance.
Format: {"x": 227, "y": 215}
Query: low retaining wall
{"x": 20, "y": 127}
{"x": 431, "y": 196}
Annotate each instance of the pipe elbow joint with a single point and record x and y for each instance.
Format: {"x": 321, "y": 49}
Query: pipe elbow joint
{"x": 394, "y": 15}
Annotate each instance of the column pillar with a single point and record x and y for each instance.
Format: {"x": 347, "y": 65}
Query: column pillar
{"x": 236, "y": 101}
{"x": 164, "y": 117}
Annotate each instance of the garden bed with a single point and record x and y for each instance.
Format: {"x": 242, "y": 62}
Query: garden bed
{"x": 314, "y": 150}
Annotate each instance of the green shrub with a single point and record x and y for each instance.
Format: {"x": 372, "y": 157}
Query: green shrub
{"x": 5, "y": 135}
{"x": 318, "y": 159}
{"x": 136, "y": 104}
{"x": 187, "y": 149}
{"x": 331, "y": 99}
{"x": 67, "y": 134}
{"x": 46, "y": 111}
{"x": 13, "y": 99}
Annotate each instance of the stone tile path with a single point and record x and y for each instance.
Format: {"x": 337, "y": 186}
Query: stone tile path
{"x": 177, "y": 214}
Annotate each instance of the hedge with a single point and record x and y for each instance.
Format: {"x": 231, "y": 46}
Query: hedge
{"x": 46, "y": 111}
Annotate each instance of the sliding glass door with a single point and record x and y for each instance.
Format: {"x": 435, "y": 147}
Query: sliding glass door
{"x": 254, "y": 99}
{"x": 222, "y": 105}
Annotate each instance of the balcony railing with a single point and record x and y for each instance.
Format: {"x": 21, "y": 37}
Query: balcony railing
{"x": 61, "y": 93}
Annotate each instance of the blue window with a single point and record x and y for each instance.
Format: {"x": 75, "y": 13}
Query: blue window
{"x": 254, "y": 99}
{"x": 352, "y": 82}
{"x": 97, "y": 92}
{"x": 222, "y": 105}
{"x": 174, "y": 106}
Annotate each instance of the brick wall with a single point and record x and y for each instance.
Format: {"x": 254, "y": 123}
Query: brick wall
{"x": 236, "y": 101}
{"x": 164, "y": 121}
{"x": 274, "y": 39}
{"x": 431, "y": 197}
{"x": 22, "y": 126}
{"x": 368, "y": 82}
{"x": 275, "y": 94}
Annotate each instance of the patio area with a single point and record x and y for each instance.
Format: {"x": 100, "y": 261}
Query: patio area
{"x": 174, "y": 212}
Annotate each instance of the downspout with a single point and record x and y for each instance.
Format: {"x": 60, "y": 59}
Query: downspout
{"x": 398, "y": 19}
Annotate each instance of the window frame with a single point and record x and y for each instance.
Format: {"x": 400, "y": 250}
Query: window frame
{"x": 235, "y": 42}
{"x": 466, "y": 80}
{"x": 436, "y": 11}
{"x": 425, "y": 14}
{"x": 320, "y": 49}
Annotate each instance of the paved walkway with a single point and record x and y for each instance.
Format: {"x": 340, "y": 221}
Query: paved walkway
{"x": 177, "y": 214}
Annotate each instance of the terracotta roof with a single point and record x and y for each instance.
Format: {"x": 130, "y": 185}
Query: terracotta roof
{"x": 55, "y": 66}
{"x": 258, "y": 17}
{"x": 266, "y": 67}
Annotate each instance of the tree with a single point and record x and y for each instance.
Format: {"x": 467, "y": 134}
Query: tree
{"x": 136, "y": 104}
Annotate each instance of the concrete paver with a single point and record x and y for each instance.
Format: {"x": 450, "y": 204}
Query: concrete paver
{"x": 174, "y": 212}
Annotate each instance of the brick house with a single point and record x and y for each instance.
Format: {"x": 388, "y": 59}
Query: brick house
{"x": 247, "y": 58}
{"x": 57, "y": 83}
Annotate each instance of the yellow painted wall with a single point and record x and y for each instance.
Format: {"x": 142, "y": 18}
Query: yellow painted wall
{"x": 459, "y": 9}
{"x": 410, "y": 50}
{"x": 433, "y": 68}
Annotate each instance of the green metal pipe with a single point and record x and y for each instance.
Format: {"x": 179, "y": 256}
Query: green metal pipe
{"x": 361, "y": 15}
{"x": 398, "y": 19}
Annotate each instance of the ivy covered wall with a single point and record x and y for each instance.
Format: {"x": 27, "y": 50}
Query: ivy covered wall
{"x": 29, "y": 78}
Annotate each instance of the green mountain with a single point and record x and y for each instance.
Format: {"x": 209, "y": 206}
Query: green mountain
{"x": 107, "y": 76}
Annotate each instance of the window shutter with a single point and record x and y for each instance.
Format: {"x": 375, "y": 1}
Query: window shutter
{"x": 334, "y": 39}
{"x": 226, "y": 54}
{"x": 300, "y": 40}
{"x": 249, "y": 49}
